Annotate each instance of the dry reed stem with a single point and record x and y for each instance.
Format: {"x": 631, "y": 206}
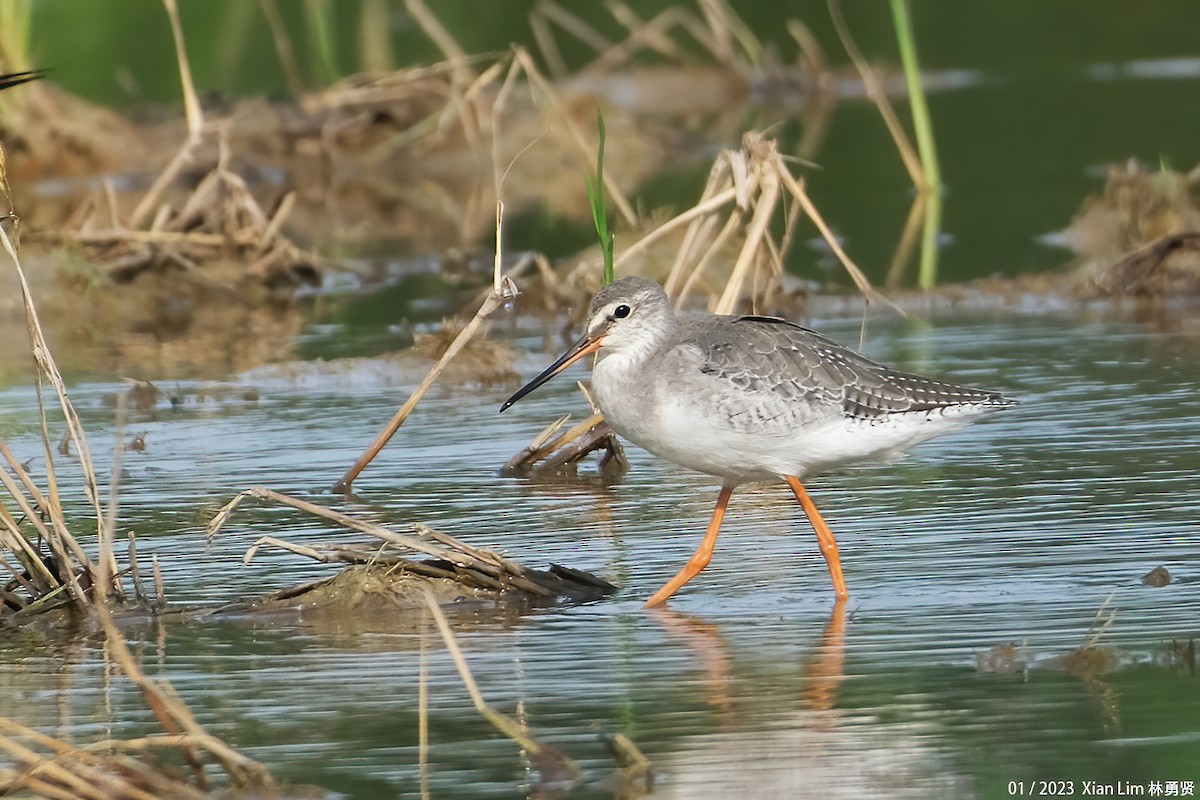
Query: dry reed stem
{"x": 182, "y": 159}
{"x": 423, "y": 710}
{"x": 1100, "y": 624}
{"x": 97, "y": 771}
{"x": 907, "y": 245}
{"x": 535, "y": 77}
{"x": 538, "y": 441}
{"x": 283, "y": 46}
{"x": 35, "y": 762}
{"x": 541, "y": 754}
{"x": 32, "y": 512}
{"x": 191, "y": 102}
{"x": 283, "y": 544}
{"x": 651, "y": 35}
{"x": 499, "y": 107}
{"x": 878, "y": 95}
{"x": 796, "y": 189}
{"x": 536, "y": 452}
{"x": 61, "y": 541}
{"x": 763, "y": 211}
{"x": 697, "y": 236}
{"x": 574, "y": 25}
{"x": 195, "y": 124}
{"x": 472, "y": 559}
{"x": 503, "y": 291}
{"x": 543, "y": 37}
{"x": 598, "y": 436}
{"x": 727, "y": 28}
{"x": 810, "y": 47}
{"x": 436, "y": 31}
{"x": 706, "y": 207}
{"x": 491, "y": 303}
{"x": 462, "y": 76}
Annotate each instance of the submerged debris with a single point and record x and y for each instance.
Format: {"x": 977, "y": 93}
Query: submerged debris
{"x": 1178, "y": 655}
{"x": 1002, "y": 659}
{"x": 391, "y": 584}
{"x": 1140, "y": 235}
{"x": 635, "y": 772}
{"x": 1157, "y": 577}
{"x": 551, "y": 454}
{"x": 385, "y": 574}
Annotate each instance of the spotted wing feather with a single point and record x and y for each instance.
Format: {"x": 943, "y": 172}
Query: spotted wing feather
{"x": 778, "y": 362}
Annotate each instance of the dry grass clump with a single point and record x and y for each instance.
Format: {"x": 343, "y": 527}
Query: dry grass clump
{"x": 48, "y": 568}
{"x": 145, "y": 768}
{"x": 1140, "y": 235}
{"x": 219, "y": 222}
{"x": 455, "y": 568}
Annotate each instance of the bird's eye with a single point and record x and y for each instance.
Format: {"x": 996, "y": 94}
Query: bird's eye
{"x": 621, "y": 311}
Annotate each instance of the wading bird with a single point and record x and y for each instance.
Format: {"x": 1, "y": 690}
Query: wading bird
{"x": 751, "y": 398}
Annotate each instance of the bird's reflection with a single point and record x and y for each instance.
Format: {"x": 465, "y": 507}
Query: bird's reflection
{"x": 821, "y": 673}
{"x": 825, "y": 668}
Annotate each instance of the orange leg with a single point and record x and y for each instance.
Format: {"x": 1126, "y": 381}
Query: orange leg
{"x": 824, "y": 536}
{"x": 701, "y": 557}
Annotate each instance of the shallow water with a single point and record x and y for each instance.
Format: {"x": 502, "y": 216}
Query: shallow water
{"x": 1017, "y": 529}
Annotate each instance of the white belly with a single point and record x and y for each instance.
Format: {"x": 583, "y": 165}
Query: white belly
{"x": 691, "y": 430}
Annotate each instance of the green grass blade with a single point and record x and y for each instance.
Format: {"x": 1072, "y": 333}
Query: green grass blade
{"x": 595, "y": 190}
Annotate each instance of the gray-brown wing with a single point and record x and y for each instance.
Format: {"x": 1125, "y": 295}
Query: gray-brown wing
{"x": 779, "y": 361}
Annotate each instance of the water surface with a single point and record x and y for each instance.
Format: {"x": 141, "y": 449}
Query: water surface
{"x": 1017, "y": 529}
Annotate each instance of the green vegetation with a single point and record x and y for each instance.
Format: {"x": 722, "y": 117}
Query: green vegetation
{"x": 595, "y": 190}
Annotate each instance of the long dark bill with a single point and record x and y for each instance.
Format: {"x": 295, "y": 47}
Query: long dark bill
{"x": 585, "y": 346}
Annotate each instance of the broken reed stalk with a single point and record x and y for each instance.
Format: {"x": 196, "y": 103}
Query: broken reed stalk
{"x": 172, "y": 713}
{"x": 548, "y": 760}
{"x": 494, "y": 300}
{"x": 71, "y": 556}
{"x": 442, "y": 546}
{"x": 752, "y": 178}
{"x": 538, "y": 81}
{"x": 195, "y": 124}
{"x": 878, "y": 95}
{"x": 503, "y": 289}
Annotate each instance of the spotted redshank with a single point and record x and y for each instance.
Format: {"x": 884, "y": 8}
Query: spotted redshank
{"x": 751, "y": 399}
